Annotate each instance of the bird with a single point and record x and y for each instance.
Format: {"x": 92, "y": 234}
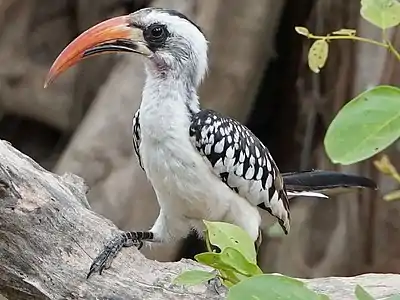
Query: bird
{"x": 202, "y": 165}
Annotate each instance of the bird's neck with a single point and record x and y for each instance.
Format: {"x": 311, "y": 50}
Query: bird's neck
{"x": 168, "y": 103}
{"x": 166, "y": 89}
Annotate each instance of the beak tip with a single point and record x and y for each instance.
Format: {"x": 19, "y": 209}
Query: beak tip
{"x": 47, "y": 81}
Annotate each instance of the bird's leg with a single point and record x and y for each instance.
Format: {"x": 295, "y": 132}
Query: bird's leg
{"x": 112, "y": 248}
{"x": 164, "y": 229}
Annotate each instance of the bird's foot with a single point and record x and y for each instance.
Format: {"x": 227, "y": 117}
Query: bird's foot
{"x": 111, "y": 250}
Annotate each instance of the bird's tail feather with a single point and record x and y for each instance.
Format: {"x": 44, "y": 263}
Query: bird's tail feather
{"x": 292, "y": 194}
{"x": 319, "y": 183}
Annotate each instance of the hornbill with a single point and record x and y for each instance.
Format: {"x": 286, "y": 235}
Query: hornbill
{"x": 201, "y": 164}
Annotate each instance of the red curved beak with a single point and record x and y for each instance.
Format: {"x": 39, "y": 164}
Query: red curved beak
{"x": 113, "y": 35}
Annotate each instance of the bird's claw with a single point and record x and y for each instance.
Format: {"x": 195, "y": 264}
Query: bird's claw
{"x": 216, "y": 285}
{"x": 110, "y": 251}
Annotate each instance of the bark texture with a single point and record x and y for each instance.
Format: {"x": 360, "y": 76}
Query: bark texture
{"x": 48, "y": 237}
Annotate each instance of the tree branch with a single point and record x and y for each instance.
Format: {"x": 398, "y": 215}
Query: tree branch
{"x": 48, "y": 237}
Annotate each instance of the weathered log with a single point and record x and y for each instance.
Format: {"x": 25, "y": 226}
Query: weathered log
{"x": 48, "y": 237}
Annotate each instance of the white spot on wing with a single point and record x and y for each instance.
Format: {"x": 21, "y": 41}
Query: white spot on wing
{"x": 219, "y": 147}
{"x": 241, "y": 157}
{"x": 239, "y": 170}
{"x": 230, "y": 152}
{"x": 236, "y": 137}
{"x": 268, "y": 164}
{"x": 250, "y": 172}
{"x": 219, "y": 163}
{"x": 207, "y": 149}
{"x": 211, "y": 139}
{"x": 268, "y": 183}
{"x": 247, "y": 151}
{"x": 259, "y": 174}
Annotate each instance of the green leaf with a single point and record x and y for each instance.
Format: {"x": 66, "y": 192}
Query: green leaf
{"x": 381, "y": 13}
{"x": 394, "y": 297}
{"x": 215, "y": 261}
{"x": 233, "y": 277}
{"x": 317, "y": 55}
{"x": 272, "y": 287}
{"x": 365, "y": 126}
{"x": 362, "y": 294}
{"x": 395, "y": 195}
{"x": 231, "y": 260}
{"x": 225, "y": 235}
{"x": 234, "y": 258}
{"x": 193, "y": 277}
{"x": 344, "y": 31}
{"x": 302, "y": 30}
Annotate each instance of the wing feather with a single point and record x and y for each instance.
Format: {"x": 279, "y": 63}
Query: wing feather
{"x": 242, "y": 162}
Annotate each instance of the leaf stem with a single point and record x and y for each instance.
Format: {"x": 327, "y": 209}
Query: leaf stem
{"x": 224, "y": 278}
{"x": 348, "y": 37}
{"x": 386, "y": 44}
{"x": 393, "y": 50}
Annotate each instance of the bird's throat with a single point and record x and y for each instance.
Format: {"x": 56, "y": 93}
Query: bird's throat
{"x": 164, "y": 89}
{"x": 167, "y": 106}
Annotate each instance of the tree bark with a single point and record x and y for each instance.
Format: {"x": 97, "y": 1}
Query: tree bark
{"x": 48, "y": 237}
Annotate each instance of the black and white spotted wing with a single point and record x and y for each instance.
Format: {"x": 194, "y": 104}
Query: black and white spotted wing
{"x": 136, "y": 136}
{"x": 242, "y": 162}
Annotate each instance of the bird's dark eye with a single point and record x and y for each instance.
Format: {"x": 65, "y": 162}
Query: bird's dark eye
{"x": 156, "y": 35}
{"x": 157, "y": 32}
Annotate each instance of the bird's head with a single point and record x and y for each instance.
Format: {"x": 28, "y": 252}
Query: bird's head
{"x": 172, "y": 44}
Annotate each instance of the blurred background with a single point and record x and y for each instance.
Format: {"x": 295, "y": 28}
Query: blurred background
{"x": 258, "y": 74}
